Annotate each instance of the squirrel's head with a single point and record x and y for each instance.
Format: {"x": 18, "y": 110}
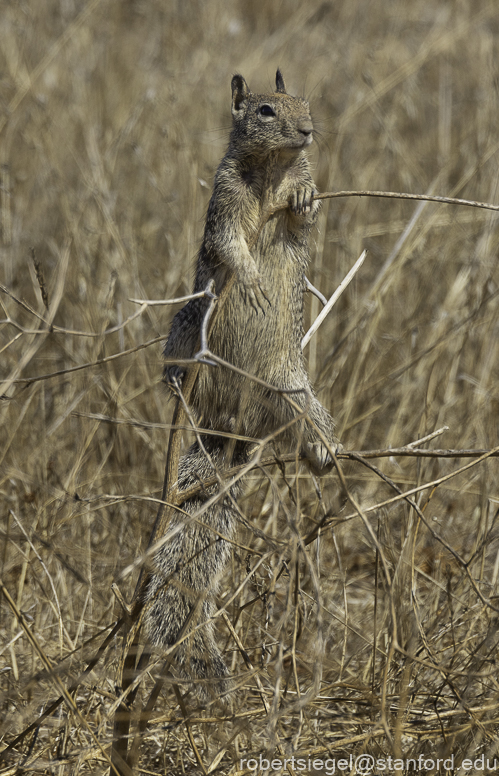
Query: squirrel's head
{"x": 263, "y": 123}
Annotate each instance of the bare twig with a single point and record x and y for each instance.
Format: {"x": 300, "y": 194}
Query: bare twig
{"x": 176, "y": 300}
{"x": 404, "y": 195}
{"x": 144, "y": 304}
{"x": 38, "y": 378}
{"x": 315, "y": 291}
{"x": 204, "y": 352}
{"x": 334, "y": 298}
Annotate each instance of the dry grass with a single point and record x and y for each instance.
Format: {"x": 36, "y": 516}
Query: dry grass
{"x": 381, "y": 637}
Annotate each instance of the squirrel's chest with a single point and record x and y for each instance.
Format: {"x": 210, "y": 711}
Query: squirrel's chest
{"x": 280, "y": 255}
{"x": 240, "y": 329}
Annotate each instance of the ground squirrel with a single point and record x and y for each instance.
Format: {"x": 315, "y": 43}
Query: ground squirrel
{"x": 258, "y": 329}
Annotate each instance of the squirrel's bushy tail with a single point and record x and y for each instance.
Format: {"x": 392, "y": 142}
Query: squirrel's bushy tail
{"x": 180, "y": 595}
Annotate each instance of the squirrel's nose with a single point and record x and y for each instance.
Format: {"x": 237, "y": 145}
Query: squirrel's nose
{"x": 306, "y": 127}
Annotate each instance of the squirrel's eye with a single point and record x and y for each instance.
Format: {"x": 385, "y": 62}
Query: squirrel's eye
{"x": 266, "y": 110}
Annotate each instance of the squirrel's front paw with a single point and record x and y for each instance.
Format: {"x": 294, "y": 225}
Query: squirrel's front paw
{"x": 319, "y": 458}
{"x": 301, "y": 201}
{"x": 254, "y": 294}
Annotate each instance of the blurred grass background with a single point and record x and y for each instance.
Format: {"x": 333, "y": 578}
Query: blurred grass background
{"x": 113, "y": 118}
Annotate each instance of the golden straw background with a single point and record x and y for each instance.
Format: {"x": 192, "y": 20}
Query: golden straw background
{"x": 380, "y": 636}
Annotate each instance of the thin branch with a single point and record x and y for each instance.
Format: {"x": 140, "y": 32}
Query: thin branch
{"x": 435, "y": 535}
{"x": 352, "y": 455}
{"x": 209, "y": 292}
{"x": 404, "y": 195}
{"x": 315, "y": 291}
{"x": 145, "y": 303}
{"x": 425, "y": 486}
{"x": 384, "y": 194}
{"x": 62, "y": 329}
{"x": 334, "y": 298}
{"x": 28, "y": 380}
{"x": 428, "y": 437}
{"x": 176, "y": 300}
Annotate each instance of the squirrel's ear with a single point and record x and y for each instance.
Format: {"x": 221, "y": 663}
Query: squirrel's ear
{"x": 240, "y": 94}
{"x": 279, "y": 82}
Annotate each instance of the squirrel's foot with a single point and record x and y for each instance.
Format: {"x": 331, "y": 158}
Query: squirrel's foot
{"x": 319, "y": 458}
{"x": 208, "y": 677}
{"x": 301, "y": 201}
{"x": 215, "y": 692}
{"x": 173, "y": 376}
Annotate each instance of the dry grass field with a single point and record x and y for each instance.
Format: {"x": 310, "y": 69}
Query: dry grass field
{"x": 376, "y": 635}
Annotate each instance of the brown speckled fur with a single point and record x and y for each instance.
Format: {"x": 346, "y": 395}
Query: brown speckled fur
{"x": 259, "y": 329}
